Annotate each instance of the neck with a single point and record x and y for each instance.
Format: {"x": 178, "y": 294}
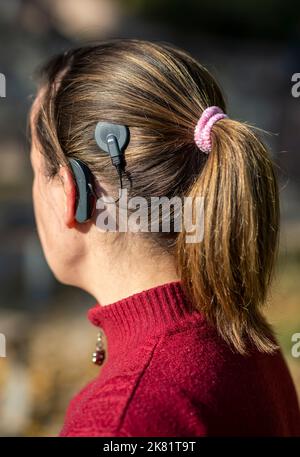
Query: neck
{"x": 117, "y": 275}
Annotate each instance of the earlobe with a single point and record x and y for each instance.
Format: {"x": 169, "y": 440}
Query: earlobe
{"x": 70, "y": 196}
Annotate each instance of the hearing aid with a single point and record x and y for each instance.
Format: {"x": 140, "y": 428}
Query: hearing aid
{"x": 85, "y": 196}
{"x": 113, "y": 139}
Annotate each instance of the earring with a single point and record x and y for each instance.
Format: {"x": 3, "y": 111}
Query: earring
{"x": 99, "y": 355}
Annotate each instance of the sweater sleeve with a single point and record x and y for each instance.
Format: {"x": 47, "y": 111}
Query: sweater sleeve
{"x": 173, "y": 396}
{"x": 162, "y": 410}
{"x": 93, "y": 433}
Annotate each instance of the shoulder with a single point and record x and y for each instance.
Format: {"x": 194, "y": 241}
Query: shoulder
{"x": 193, "y": 354}
{"x": 178, "y": 389}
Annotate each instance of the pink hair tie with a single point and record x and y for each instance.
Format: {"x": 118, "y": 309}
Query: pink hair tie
{"x": 202, "y": 135}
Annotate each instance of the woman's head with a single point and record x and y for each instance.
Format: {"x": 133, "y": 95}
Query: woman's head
{"x": 159, "y": 92}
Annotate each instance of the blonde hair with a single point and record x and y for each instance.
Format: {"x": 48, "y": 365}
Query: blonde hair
{"x": 159, "y": 92}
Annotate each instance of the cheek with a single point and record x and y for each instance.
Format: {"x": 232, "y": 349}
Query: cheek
{"x": 35, "y": 199}
{"x": 35, "y": 195}
{"x": 44, "y": 215}
{"x": 39, "y": 210}
{"x": 48, "y": 208}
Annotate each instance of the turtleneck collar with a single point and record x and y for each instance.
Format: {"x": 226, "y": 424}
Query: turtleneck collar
{"x": 135, "y": 319}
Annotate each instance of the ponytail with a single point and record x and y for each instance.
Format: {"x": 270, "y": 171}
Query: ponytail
{"x": 228, "y": 273}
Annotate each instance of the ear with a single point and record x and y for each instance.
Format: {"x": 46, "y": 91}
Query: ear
{"x": 70, "y": 195}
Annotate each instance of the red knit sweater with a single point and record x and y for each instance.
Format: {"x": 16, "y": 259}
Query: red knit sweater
{"x": 168, "y": 373}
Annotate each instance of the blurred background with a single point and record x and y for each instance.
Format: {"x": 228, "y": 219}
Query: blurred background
{"x": 253, "y": 49}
